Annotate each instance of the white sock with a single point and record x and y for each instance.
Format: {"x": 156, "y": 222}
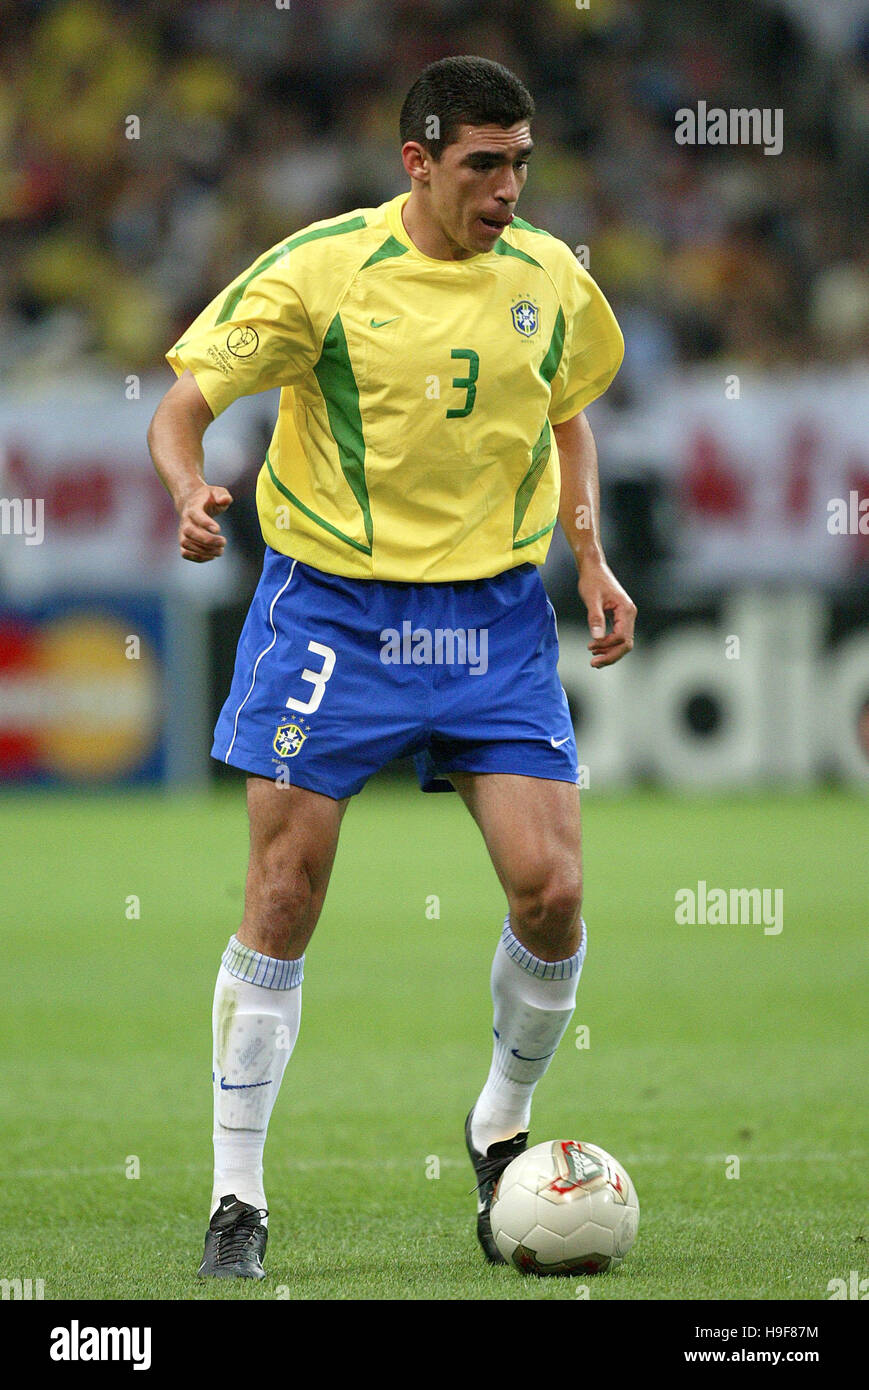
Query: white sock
{"x": 255, "y": 1023}
{"x": 534, "y": 1000}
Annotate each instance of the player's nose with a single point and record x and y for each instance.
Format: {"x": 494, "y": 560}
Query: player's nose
{"x": 507, "y": 189}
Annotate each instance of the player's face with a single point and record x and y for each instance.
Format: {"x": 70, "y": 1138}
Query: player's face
{"x": 475, "y": 185}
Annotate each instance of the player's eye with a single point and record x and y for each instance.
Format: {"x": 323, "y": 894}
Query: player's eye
{"x": 485, "y": 166}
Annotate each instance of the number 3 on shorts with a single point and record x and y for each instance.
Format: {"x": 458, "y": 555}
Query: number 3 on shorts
{"x": 318, "y": 679}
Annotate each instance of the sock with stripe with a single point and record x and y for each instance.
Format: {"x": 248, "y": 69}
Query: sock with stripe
{"x": 255, "y": 1024}
{"x": 533, "y": 1004}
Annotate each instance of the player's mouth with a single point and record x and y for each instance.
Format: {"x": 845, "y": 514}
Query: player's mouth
{"x": 496, "y": 224}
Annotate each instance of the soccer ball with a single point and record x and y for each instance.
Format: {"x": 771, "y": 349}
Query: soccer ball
{"x": 564, "y": 1207}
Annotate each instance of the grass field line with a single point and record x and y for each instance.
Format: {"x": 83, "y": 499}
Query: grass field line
{"x": 305, "y": 1165}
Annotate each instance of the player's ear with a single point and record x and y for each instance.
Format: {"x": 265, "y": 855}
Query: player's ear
{"x": 416, "y": 160}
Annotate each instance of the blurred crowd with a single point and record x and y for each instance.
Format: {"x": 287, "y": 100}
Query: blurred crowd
{"x": 150, "y": 150}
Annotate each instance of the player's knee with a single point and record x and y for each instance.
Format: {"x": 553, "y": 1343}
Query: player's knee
{"x": 553, "y": 900}
{"x": 279, "y": 897}
{"x": 546, "y": 915}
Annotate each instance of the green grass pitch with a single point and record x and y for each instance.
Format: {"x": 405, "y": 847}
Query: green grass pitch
{"x": 707, "y": 1043}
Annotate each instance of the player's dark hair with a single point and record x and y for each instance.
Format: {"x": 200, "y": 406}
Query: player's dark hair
{"x": 461, "y": 91}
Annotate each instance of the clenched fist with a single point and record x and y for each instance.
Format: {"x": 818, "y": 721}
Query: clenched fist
{"x": 199, "y": 535}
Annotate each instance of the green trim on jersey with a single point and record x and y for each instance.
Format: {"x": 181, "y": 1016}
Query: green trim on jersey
{"x": 528, "y": 227}
{"x": 503, "y": 248}
{"x": 549, "y": 365}
{"x": 525, "y": 491}
{"x": 334, "y": 373}
{"x": 529, "y": 540}
{"x": 543, "y": 447}
{"x": 320, "y": 521}
{"x": 391, "y": 247}
{"x": 233, "y": 299}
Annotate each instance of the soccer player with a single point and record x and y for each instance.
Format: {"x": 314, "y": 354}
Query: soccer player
{"x": 435, "y": 356}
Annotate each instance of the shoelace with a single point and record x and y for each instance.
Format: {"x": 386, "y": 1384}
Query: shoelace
{"x": 232, "y": 1243}
{"x": 490, "y": 1169}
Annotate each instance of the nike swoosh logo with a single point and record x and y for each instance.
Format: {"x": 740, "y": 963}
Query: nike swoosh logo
{"x": 516, "y": 1053}
{"x": 381, "y": 323}
{"x": 556, "y": 743}
{"x": 244, "y": 1086}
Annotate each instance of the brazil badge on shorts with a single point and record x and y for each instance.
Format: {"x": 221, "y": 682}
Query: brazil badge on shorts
{"x": 289, "y": 739}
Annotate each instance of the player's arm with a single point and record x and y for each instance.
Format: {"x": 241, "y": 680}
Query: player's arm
{"x": 175, "y": 440}
{"x": 579, "y": 514}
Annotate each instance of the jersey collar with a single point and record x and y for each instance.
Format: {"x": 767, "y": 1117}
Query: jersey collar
{"x": 397, "y": 228}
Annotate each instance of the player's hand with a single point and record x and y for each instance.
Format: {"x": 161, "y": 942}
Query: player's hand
{"x": 199, "y": 535}
{"x": 605, "y": 598}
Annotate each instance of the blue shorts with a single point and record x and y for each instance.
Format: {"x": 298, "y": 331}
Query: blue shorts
{"x": 335, "y": 677}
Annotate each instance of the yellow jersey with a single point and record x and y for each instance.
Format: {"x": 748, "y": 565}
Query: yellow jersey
{"x": 413, "y": 440}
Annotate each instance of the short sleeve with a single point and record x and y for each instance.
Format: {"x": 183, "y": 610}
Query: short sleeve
{"x": 255, "y": 335}
{"x": 593, "y": 346}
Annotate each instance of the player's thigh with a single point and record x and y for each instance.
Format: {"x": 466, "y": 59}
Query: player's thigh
{"x": 532, "y": 830}
{"x": 292, "y": 824}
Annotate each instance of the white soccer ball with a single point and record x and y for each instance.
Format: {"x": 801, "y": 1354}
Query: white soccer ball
{"x": 565, "y": 1207}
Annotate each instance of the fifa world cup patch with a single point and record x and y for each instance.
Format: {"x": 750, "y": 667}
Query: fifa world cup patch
{"x": 526, "y": 318}
{"x": 243, "y": 341}
{"x": 288, "y": 740}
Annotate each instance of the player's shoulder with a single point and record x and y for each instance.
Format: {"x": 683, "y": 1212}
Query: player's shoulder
{"x": 339, "y": 242}
{"x": 552, "y": 254}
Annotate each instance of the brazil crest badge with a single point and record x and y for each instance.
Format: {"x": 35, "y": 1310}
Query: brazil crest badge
{"x": 525, "y": 318}
{"x": 288, "y": 740}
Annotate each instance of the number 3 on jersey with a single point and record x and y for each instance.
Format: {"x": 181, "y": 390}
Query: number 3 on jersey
{"x": 318, "y": 679}
{"x": 466, "y": 383}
